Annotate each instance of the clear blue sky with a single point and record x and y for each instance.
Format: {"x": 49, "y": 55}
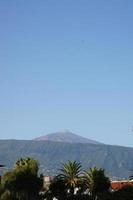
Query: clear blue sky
{"x": 67, "y": 64}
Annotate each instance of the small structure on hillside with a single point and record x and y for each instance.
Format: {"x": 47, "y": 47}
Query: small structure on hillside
{"x": 116, "y": 185}
{"x": 46, "y": 181}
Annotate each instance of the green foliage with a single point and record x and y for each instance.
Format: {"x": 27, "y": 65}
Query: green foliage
{"x": 26, "y": 164}
{"x": 57, "y": 189}
{"x": 22, "y": 182}
{"x": 72, "y": 183}
{"x": 6, "y": 195}
{"x": 70, "y": 175}
{"x": 125, "y": 193}
{"x": 96, "y": 181}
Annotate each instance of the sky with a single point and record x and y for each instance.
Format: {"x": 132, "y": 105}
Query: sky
{"x": 67, "y": 64}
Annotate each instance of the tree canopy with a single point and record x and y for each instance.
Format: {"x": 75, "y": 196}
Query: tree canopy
{"x": 22, "y": 181}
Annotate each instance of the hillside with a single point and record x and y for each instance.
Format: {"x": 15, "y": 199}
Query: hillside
{"x": 116, "y": 160}
{"x": 65, "y": 136}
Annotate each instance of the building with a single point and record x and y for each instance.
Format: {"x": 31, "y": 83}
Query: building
{"x": 116, "y": 185}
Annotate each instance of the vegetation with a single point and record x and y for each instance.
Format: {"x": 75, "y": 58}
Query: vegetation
{"x": 96, "y": 181}
{"x": 22, "y": 182}
{"x": 70, "y": 175}
{"x": 125, "y": 193}
{"x": 72, "y": 183}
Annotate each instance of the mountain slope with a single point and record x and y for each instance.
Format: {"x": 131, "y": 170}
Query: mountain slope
{"x": 116, "y": 160}
{"x": 65, "y": 136}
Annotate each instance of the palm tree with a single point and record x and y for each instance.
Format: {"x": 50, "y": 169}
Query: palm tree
{"x": 96, "y": 181}
{"x": 22, "y": 180}
{"x": 70, "y": 174}
{"x": 26, "y": 164}
{"x": 57, "y": 189}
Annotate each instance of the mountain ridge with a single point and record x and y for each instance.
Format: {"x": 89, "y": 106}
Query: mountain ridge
{"x": 116, "y": 160}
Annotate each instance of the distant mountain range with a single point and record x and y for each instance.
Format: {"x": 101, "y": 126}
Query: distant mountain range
{"x": 65, "y": 136}
{"x": 116, "y": 160}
